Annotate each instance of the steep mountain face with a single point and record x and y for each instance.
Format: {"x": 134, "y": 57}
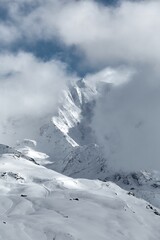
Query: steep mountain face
{"x": 69, "y": 139}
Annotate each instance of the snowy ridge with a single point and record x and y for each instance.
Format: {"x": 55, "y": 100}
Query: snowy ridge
{"x": 4, "y": 149}
{"x": 38, "y": 203}
{"x": 76, "y": 106}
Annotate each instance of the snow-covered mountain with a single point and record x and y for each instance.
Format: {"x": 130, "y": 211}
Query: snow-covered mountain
{"x": 73, "y": 144}
{"x": 36, "y": 201}
{"x": 70, "y": 143}
{"x": 67, "y": 137}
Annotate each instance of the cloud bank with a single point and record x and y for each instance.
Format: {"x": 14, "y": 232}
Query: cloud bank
{"x": 28, "y": 85}
{"x": 126, "y": 122}
{"x": 127, "y": 33}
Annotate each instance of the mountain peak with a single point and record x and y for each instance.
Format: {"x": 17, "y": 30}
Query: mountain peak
{"x": 81, "y": 83}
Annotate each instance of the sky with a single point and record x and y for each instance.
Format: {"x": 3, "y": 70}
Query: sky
{"x": 46, "y": 44}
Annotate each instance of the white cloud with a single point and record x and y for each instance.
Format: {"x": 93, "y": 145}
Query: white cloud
{"x": 29, "y": 94}
{"x": 116, "y": 76}
{"x": 8, "y": 34}
{"x": 126, "y": 122}
{"x": 29, "y": 87}
{"x": 128, "y": 33}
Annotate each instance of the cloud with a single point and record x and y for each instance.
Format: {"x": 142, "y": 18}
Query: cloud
{"x": 127, "y": 33}
{"x": 30, "y": 82}
{"x": 124, "y": 34}
{"x": 116, "y": 76}
{"x": 126, "y": 123}
{"x": 8, "y": 34}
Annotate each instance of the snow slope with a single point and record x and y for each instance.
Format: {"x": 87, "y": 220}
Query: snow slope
{"x": 38, "y": 203}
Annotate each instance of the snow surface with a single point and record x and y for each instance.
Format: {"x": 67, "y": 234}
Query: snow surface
{"x": 38, "y": 203}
